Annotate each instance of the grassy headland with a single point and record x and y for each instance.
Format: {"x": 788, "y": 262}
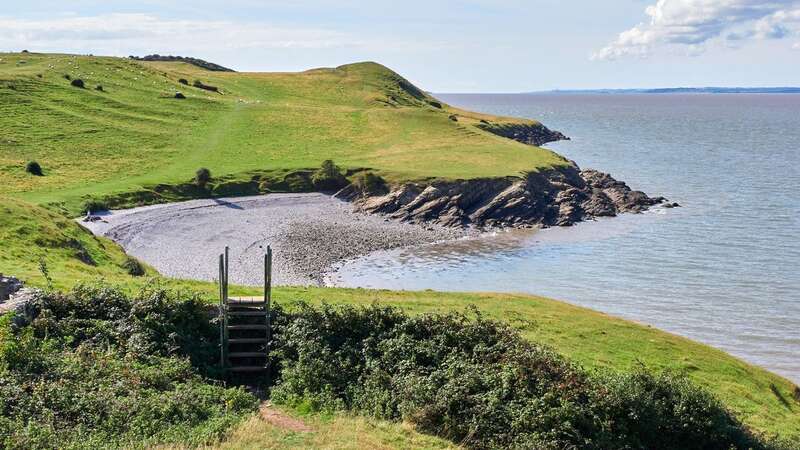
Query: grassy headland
{"x": 134, "y": 135}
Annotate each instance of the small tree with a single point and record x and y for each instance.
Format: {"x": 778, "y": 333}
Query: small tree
{"x": 34, "y": 168}
{"x": 368, "y": 184}
{"x": 328, "y": 177}
{"x": 202, "y": 177}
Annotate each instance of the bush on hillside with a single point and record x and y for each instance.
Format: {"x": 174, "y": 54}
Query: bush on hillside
{"x": 328, "y": 177}
{"x": 133, "y": 267}
{"x": 478, "y": 383}
{"x": 298, "y": 182}
{"x": 99, "y": 87}
{"x": 199, "y": 84}
{"x": 33, "y": 168}
{"x": 368, "y": 183}
{"x": 67, "y": 77}
{"x": 183, "y": 81}
{"x": 179, "y": 95}
{"x": 96, "y": 369}
{"x": 78, "y": 83}
{"x": 202, "y": 177}
{"x": 93, "y": 205}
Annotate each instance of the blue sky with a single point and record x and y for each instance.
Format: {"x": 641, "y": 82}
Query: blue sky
{"x": 454, "y": 46}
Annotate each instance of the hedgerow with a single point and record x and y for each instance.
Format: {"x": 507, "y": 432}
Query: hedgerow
{"x": 97, "y": 367}
{"x": 479, "y": 383}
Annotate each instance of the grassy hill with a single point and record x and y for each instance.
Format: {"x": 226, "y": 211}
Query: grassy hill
{"x": 134, "y": 133}
{"x": 761, "y": 399}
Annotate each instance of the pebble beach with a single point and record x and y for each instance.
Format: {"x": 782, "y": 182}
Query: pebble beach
{"x": 309, "y": 234}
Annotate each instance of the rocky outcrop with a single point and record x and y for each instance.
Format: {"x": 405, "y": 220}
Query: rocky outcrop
{"x": 561, "y": 196}
{"x": 527, "y": 133}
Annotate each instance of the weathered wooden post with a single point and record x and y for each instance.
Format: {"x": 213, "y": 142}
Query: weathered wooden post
{"x": 268, "y": 297}
{"x": 5, "y": 289}
{"x": 223, "y": 345}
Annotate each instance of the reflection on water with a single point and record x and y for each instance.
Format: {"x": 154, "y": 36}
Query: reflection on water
{"x": 723, "y": 269}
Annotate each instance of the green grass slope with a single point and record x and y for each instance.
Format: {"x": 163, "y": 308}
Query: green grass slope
{"x": 30, "y": 235}
{"x": 761, "y": 399}
{"x": 133, "y": 133}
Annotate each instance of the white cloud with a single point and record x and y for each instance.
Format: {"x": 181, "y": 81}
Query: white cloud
{"x": 113, "y": 33}
{"x": 692, "y": 23}
{"x": 796, "y": 46}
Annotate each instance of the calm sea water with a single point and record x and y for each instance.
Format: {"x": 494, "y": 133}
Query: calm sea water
{"x": 724, "y": 269}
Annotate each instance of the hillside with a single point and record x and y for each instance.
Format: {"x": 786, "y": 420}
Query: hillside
{"x": 134, "y": 133}
{"x": 133, "y": 142}
{"x": 763, "y": 400}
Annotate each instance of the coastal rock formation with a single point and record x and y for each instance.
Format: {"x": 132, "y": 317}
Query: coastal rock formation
{"x": 561, "y": 196}
{"x": 527, "y": 133}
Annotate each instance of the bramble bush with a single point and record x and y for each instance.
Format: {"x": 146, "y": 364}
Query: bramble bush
{"x": 97, "y": 367}
{"x": 479, "y": 383}
{"x": 328, "y": 177}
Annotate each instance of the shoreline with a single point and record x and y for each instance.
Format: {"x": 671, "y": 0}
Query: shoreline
{"x": 309, "y": 235}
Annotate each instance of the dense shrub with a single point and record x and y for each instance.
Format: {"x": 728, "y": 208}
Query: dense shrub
{"x": 96, "y": 369}
{"x": 99, "y": 87}
{"x": 78, "y": 83}
{"x": 479, "y": 383}
{"x": 368, "y": 183}
{"x": 91, "y": 205}
{"x": 199, "y": 84}
{"x": 33, "y": 168}
{"x": 202, "y": 177}
{"x": 179, "y": 95}
{"x": 298, "y": 182}
{"x": 183, "y": 81}
{"x": 133, "y": 267}
{"x": 328, "y": 177}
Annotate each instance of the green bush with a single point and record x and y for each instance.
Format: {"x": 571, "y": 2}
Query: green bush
{"x": 480, "y": 384}
{"x": 368, "y": 183}
{"x": 78, "y": 83}
{"x": 202, "y": 177}
{"x": 91, "y": 205}
{"x": 328, "y": 177}
{"x": 298, "y": 182}
{"x": 33, "y": 168}
{"x": 96, "y": 369}
{"x": 133, "y": 267}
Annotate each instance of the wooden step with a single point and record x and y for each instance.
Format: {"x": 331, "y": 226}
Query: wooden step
{"x": 247, "y": 369}
{"x": 247, "y": 355}
{"x": 234, "y": 301}
{"x": 261, "y": 313}
{"x": 247, "y": 327}
{"x": 260, "y": 340}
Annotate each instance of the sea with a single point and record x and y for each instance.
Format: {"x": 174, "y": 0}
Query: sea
{"x": 723, "y": 269}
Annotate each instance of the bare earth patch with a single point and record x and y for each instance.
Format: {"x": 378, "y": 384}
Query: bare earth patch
{"x": 281, "y": 420}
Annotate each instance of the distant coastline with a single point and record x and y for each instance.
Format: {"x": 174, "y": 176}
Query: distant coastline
{"x": 679, "y": 90}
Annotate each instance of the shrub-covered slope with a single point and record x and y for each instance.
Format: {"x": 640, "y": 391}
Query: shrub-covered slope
{"x": 98, "y": 368}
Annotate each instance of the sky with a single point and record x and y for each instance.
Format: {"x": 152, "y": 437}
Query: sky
{"x": 442, "y": 46}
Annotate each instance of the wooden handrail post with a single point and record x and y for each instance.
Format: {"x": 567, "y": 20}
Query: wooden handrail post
{"x": 268, "y": 296}
{"x": 222, "y": 314}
